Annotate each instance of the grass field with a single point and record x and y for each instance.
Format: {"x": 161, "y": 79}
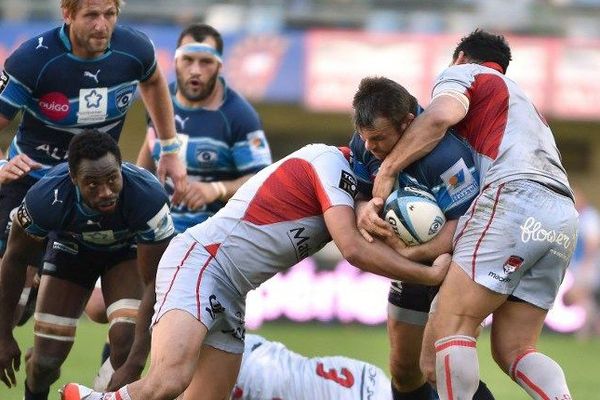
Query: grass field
{"x": 579, "y": 360}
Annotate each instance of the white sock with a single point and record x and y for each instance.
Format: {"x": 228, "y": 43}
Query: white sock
{"x": 121, "y": 394}
{"x": 456, "y": 367}
{"x": 540, "y": 376}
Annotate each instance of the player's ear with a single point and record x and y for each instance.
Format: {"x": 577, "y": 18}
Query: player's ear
{"x": 73, "y": 177}
{"x": 410, "y": 117}
{"x": 460, "y": 59}
{"x": 66, "y": 16}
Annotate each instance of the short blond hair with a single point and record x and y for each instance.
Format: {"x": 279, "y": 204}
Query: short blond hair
{"x": 72, "y": 6}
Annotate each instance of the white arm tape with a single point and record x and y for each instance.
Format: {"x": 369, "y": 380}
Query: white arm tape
{"x": 461, "y": 97}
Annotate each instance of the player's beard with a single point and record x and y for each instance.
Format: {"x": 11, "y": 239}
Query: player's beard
{"x": 201, "y": 92}
{"x": 93, "y": 45}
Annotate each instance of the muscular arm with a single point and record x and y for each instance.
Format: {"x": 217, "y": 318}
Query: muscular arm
{"x": 148, "y": 257}
{"x": 144, "y": 158}
{"x": 423, "y": 134}
{"x": 12, "y": 279}
{"x": 440, "y": 244}
{"x": 13, "y": 270}
{"x": 376, "y": 257}
{"x": 157, "y": 99}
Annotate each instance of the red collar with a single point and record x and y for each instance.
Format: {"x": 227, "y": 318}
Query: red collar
{"x": 493, "y": 65}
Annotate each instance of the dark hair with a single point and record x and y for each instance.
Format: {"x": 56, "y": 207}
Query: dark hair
{"x": 481, "y": 46}
{"x": 91, "y": 144}
{"x": 381, "y": 97}
{"x": 200, "y": 32}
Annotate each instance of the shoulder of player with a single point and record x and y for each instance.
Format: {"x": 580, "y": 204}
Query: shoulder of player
{"x": 52, "y": 195}
{"x": 34, "y": 54}
{"x": 139, "y": 183}
{"x": 237, "y": 105}
{"x": 130, "y": 40}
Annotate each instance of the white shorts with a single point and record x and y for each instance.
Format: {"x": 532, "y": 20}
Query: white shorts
{"x": 517, "y": 238}
{"x": 190, "y": 279}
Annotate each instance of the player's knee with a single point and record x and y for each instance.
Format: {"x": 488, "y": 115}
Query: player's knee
{"x": 505, "y": 355}
{"x": 404, "y": 372}
{"x": 44, "y": 370}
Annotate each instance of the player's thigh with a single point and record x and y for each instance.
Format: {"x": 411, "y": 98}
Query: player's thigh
{"x": 121, "y": 279}
{"x": 215, "y": 375}
{"x": 59, "y": 306}
{"x": 176, "y": 341}
{"x": 516, "y": 329}
{"x": 462, "y": 304}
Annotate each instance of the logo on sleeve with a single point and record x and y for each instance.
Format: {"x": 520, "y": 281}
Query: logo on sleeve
{"x": 24, "y": 217}
{"x": 348, "y": 183}
{"x": 3, "y": 81}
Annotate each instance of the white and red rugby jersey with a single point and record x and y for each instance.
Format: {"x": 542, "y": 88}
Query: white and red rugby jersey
{"x": 276, "y": 218}
{"x": 510, "y": 139}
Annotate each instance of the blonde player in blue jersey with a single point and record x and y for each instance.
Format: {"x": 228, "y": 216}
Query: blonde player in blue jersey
{"x": 80, "y": 75}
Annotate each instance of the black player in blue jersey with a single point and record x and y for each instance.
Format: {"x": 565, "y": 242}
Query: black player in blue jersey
{"x": 383, "y": 109}
{"x": 223, "y": 142}
{"x": 80, "y": 75}
{"x": 101, "y": 217}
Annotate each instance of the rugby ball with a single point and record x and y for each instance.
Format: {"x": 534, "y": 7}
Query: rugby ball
{"x": 414, "y": 215}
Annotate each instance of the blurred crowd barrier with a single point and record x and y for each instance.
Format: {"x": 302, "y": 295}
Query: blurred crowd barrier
{"x": 320, "y": 69}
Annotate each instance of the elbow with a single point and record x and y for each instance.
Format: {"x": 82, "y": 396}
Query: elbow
{"x": 352, "y": 253}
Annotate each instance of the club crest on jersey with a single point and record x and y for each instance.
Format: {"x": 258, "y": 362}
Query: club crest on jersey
{"x": 206, "y": 158}
{"x": 459, "y": 181}
{"x": 3, "y": 81}
{"x": 123, "y": 99}
{"x": 348, "y": 183}
{"x": 93, "y": 105}
{"x": 512, "y": 264}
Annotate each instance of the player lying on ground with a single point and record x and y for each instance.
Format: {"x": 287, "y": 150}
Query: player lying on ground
{"x": 269, "y": 370}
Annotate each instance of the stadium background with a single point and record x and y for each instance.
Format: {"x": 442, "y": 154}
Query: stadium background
{"x": 299, "y": 63}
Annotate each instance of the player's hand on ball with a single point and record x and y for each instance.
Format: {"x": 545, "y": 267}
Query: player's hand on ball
{"x": 368, "y": 220}
{"x": 440, "y": 267}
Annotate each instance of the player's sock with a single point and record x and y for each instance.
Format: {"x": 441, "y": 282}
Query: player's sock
{"x": 29, "y": 395}
{"x": 540, "y": 376}
{"x": 457, "y": 367}
{"x": 121, "y": 394}
{"x": 105, "y": 352}
{"x": 424, "y": 392}
{"x": 483, "y": 393}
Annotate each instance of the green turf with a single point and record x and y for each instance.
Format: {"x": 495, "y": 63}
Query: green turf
{"x": 579, "y": 360}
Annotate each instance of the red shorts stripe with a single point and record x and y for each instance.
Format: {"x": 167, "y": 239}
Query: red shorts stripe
{"x": 199, "y": 306}
{"x": 485, "y": 231}
{"x": 175, "y": 276}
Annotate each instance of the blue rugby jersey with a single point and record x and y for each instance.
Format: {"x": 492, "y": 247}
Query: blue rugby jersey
{"x": 54, "y": 204}
{"x": 61, "y": 94}
{"x": 217, "y": 145}
{"x": 448, "y": 172}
